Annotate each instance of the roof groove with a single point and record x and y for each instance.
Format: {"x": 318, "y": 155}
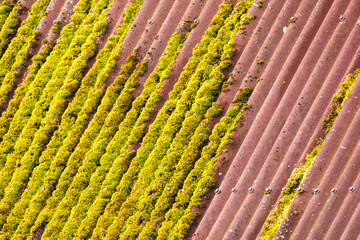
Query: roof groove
{"x": 352, "y": 229}
{"x": 263, "y": 146}
{"x": 303, "y": 134}
{"x": 328, "y": 181}
{"x": 245, "y": 55}
{"x": 323, "y": 159}
{"x": 345, "y": 213}
{"x": 248, "y": 53}
{"x": 249, "y": 205}
{"x": 332, "y": 206}
{"x": 282, "y": 129}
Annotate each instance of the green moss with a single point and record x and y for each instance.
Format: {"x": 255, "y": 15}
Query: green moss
{"x": 214, "y": 111}
{"x": 246, "y": 19}
{"x": 202, "y": 176}
{"x": 243, "y": 95}
{"x": 5, "y": 10}
{"x": 193, "y": 25}
{"x": 299, "y": 174}
{"x": 56, "y": 26}
{"x": 339, "y": 99}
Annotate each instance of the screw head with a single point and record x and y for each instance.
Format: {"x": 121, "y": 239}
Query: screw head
{"x": 268, "y": 190}
{"x": 104, "y": 189}
{"x": 217, "y": 191}
{"x": 183, "y": 190}
{"x": 234, "y": 190}
{"x": 196, "y": 20}
{"x": 43, "y": 188}
{"x": 284, "y": 189}
{"x": 251, "y": 189}
{"x": 301, "y": 190}
{"x": 351, "y": 189}
{"x": 342, "y": 18}
{"x": 150, "y": 22}
{"x": 169, "y": 189}
{"x": 201, "y": 189}
{"x": 293, "y": 19}
{"x": 333, "y": 190}
{"x": 316, "y": 191}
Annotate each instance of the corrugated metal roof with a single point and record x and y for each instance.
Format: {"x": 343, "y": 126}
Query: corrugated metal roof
{"x": 305, "y": 60}
{"x": 294, "y": 55}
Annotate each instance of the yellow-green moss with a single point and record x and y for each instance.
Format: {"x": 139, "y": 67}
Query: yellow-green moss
{"x": 193, "y": 25}
{"x": 214, "y": 111}
{"x": 339, "y": 99}
{"x": 260, "y": 4}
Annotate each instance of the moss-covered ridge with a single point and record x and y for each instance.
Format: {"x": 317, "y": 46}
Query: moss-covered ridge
{"x": 299, "y": 174}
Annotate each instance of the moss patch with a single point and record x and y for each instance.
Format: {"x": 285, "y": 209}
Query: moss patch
{"x": 339, "y": 99}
